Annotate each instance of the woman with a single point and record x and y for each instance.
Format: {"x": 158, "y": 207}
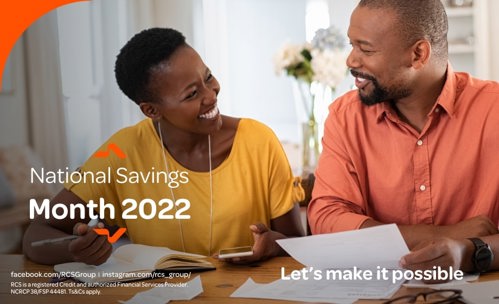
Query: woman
{"x": 200, "y": 181}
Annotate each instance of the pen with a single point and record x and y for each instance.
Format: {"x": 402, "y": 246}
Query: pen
{"x": 93, "y": 222}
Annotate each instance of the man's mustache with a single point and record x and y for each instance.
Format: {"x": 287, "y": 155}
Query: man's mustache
{"x": 361, "y": 75}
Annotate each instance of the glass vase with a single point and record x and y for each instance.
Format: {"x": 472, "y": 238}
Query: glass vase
{"x": 310, "y": 146}
{"x": 307, "y": 95}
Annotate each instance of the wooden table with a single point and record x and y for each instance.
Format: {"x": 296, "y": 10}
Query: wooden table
{"x": 218, "y": 285}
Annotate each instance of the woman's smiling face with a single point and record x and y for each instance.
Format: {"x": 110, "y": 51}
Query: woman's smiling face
{"x": 185, "y": 92}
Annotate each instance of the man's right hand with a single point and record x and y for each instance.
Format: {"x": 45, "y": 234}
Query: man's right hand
{"x": 89, "y": 248}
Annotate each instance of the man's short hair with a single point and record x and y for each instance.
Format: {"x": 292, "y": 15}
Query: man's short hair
{"x": 418, "y": 19}
{"x": 140, "y": 54}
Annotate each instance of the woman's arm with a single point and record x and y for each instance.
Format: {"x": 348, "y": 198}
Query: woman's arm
{"x": 89, "y": 247}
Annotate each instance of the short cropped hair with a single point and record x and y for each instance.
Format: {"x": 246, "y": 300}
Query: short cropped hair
{"x": 140, "y": 55}
{"x": 418, "y": 19}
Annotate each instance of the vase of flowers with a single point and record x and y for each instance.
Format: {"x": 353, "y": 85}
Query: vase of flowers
{"x": 316, "y": 67}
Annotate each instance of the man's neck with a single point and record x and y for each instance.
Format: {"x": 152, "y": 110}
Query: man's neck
{"x": 414, "y": 109}
{"x": 414, "y": 113}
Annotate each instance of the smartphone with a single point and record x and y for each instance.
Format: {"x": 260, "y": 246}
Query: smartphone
{"x": 235, "y": 252}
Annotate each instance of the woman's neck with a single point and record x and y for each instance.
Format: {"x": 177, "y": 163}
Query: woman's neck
{"x": 189, "y": 149}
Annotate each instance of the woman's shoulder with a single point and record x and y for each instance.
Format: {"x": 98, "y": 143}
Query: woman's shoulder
{"x": 131, "y": 136}
{"x": 249, "y": 125}
{"x": 252, "y": 132}
{"x": 130, "y": 132}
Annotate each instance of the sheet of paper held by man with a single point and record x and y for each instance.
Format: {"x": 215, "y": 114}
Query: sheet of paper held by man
{"x": 368, "y": 248}
{"x": 340, "y": 267}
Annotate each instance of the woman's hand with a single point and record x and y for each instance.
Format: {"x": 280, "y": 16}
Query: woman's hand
{"x": 89, "y": 248}
{"x": 264, "y": 246}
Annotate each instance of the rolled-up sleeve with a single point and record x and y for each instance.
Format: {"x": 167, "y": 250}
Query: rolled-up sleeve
{"x": 337, "y": 201}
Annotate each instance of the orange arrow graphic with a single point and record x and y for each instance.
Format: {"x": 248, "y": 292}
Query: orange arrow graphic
{"x": 110, "y": 147}
{"x": 111, "y": 239}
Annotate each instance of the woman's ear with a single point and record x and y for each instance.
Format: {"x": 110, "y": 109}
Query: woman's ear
{"x": 149, "y": 109}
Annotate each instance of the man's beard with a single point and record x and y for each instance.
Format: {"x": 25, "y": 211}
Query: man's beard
{"x": 379, "y": 93}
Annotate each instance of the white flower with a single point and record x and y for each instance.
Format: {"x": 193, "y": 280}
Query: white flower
{"x": 321, "y": 61}
{"x": 289, "y": 55}
{"x": 328, "y": 38}
{"x": 329, "y": 66}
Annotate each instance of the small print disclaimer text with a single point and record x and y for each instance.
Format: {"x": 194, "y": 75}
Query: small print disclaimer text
{"x": 57, "y": 286}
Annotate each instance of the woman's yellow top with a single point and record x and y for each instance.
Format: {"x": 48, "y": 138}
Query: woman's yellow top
{"x": 254, "y": 184}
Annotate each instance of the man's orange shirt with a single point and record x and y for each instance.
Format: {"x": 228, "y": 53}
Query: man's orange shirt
{"x": 373, "y": 165}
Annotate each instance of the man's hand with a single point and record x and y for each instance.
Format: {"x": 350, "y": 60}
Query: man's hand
{"x": 89, "y": 248}
{"x": 443, "y": 252}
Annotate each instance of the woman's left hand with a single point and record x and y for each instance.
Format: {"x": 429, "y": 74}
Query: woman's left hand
{"x": 264, "y": 246}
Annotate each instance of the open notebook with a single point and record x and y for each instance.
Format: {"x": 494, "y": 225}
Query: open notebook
{"x": 134, "y": 262}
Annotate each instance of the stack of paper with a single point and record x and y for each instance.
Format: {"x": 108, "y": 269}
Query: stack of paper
{"x": 340, "y": 292}
{"x": 482, "y": 292}
{"x": 341, "y": 267}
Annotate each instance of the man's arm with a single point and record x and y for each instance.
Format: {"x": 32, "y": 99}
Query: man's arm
{"x": 326, "y": 215}
{"x": 414, "y": 234}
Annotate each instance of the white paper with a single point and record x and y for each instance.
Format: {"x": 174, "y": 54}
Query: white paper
{"x": 420, "y": 284}
{"x": 318, "y": 291}
{"x": 368, "y": 248}
{"x": 250, "y": 289}
{"x": 481, "y": 292}
{"x": 160, "y": 295}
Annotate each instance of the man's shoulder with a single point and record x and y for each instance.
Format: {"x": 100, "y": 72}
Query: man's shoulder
{"x": 349, "y": 104}
{"x": 469, "y": 82}
{"x": 478, "y": 94}
{"x": 486, "y": 86}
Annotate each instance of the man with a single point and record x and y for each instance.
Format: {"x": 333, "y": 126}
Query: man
{"x": 415, "y": 145}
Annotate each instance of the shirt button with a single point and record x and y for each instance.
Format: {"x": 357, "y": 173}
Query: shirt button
{"x": 437, "y": 110}
{"x": 422, "y": 187}
{"x": 420, "y": 142}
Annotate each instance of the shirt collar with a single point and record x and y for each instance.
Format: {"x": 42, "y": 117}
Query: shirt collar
{"x": 446, "y": 100}
{"x": 384, "y": 109}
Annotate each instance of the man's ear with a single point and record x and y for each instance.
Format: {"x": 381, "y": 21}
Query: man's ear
{"x": 421, "y": 52}
{"x": 149, "y": 109}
